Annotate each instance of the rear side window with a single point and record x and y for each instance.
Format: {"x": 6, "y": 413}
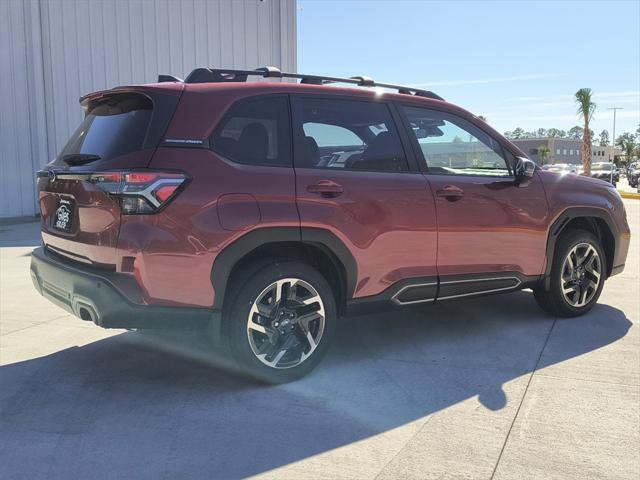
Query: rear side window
{"x": 113, "y": 126}
{"x": 256, "y": 132}
{"x": 348, "y": 135}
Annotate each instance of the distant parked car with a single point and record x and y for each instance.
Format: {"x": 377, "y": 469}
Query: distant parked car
{"x": 630, "y": 167}
{"x": 561, "y": 168}
{"x": 605, "y": 171}
{"x": 633, "y": 175}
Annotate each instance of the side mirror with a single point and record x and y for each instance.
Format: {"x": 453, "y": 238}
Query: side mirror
{"x": 524, "y": 169}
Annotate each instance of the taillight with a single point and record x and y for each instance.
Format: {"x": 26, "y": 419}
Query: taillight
{"x": 140, "y": 192}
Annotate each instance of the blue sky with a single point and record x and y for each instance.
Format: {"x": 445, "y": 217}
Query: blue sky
{"x": 516, "y": 62}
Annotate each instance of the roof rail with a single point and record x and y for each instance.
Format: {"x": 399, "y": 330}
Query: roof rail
{"x": 218, "y": 75}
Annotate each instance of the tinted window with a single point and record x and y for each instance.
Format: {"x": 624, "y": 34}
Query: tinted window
{"x": 347, "y": 134}
{"x": 451, "y": 145}
{"x": 256, "y": 132}
{"x": 112, "y": 127}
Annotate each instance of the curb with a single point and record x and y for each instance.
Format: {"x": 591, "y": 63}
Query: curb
{"x": 635, "y": 196}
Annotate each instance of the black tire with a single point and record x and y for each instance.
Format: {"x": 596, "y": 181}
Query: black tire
{"x": 245, "y": 290}
{"x": 552, "y": 300}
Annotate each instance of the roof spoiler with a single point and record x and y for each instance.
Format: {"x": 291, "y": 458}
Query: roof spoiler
{"x": 168, "y": 78}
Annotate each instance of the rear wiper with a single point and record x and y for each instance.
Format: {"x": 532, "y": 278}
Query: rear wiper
{"x": 80, "y": 158}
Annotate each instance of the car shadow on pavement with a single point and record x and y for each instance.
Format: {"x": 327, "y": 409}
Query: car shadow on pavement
{"x": 137, "y": 405}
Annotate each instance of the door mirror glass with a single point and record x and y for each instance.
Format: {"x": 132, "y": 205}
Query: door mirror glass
{"x": 524, "y": 168}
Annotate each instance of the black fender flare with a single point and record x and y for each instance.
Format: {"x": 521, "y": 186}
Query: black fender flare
{"x": 238, "y": 249}
{"x": 558, "y": 226}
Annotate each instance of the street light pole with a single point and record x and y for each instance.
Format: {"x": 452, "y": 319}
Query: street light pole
{"x": 613, "y": 140}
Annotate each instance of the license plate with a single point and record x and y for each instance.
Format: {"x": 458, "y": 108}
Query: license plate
{"x": 63, "y": 217}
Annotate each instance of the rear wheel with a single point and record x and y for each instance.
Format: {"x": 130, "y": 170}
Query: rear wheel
{"x": 577, "y": 275}
{"x": 281, "y": 320}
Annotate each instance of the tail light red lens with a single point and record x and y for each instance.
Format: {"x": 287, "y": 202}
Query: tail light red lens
{"x": 140, "y": 192}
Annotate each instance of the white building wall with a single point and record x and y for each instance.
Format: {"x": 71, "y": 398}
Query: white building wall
{"x": 54, "y": 51}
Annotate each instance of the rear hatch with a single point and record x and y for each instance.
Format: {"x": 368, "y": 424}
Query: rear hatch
{"x": 78, "y": 191}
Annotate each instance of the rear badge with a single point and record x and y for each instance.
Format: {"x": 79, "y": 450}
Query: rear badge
{"x": 62, "y": 219}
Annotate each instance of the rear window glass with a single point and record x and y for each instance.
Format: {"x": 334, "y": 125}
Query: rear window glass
{"x": 256, "y": 132}
{"x": 113, "y": 127}
{"x": 347, "y": 134}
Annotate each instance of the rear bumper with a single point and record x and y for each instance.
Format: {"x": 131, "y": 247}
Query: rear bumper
{"x": 94, "y": 296}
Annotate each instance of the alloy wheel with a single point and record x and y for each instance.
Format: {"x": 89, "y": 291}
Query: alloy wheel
{"x": 286, "y": 323}
{"x": 581, "y": 274}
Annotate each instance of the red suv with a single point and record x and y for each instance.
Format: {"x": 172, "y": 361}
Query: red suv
{"x": 266, "y": 210}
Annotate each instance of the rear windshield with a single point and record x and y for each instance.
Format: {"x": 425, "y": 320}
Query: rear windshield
{"x": 112, "y": 127}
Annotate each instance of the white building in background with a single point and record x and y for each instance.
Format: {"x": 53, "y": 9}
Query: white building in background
{"x": 564, "y": 150}
{"x": 54, "y": 51}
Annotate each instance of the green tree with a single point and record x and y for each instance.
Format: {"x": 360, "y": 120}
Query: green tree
{"x": 518, "y": 133}
{"x": 541, "y": 132}
{"x": 627, "y": 142}
{"x": 543, "y": 154}
{"x": 604, "y": 138}
{"x": 575, "y": 133}
{"x": 586, "y": 108}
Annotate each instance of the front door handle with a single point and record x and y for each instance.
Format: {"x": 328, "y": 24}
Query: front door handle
{"x": 326, "y": 188}
{"x": 450, "y": 192}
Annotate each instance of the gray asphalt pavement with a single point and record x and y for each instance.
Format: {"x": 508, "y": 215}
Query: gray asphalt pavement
{"x": 484, "y": 388}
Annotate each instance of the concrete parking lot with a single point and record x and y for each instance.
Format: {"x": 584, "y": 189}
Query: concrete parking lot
{"x": 485, "y": 388}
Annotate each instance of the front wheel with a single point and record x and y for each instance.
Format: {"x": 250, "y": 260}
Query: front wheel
{"x": 280, "y": 322}
{"x": 578, "y": 272}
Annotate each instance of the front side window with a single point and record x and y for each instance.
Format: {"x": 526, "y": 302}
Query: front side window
{"x": 452, "y": 146}
{"x": 255, "y": 132}
{"x": 347, "y": 135}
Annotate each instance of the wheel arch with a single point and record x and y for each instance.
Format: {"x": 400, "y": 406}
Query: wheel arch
{"x": 596, "y": 220}
{"x": 318, "y": 247}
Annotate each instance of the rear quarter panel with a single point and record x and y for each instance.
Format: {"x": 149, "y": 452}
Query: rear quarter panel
{"x": 175, "y": 249}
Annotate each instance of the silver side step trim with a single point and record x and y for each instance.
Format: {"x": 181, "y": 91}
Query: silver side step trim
{"x": 481, "y": 292}
{"x": 397, "y": 301}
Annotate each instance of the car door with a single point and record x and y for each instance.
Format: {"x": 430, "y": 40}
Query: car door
{"x": 491, "y": 229}
{"x": 355, "y": 180}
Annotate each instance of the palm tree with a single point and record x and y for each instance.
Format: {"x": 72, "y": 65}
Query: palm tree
{"x": 543, "y": 153}
{"x": 586, "y": 107}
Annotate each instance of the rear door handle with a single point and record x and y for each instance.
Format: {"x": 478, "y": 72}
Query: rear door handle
{"x": 450, "y": 192}
{"x": 326, "y": 188}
